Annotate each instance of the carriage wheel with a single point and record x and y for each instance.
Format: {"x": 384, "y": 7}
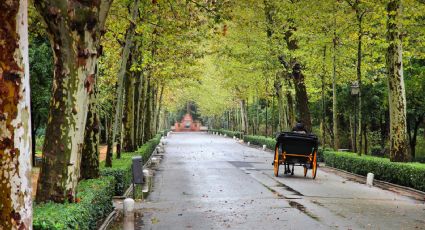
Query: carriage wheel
{"x": 305, "y": 170}
{"x": 314, "y": 166}
{"x": 276, "y": 161}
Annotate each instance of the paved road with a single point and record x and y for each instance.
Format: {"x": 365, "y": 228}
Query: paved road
{"x": 212, "y": 182}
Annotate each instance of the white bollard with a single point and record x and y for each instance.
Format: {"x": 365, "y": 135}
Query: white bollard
{"x": 225, "y": 135}
{"x": 234, "y": 137}
{"x": 128, "y": 207}
{"x": 369, "y": 179}
{"x": 264, "y": 147}
{"x": 249, "y": 143}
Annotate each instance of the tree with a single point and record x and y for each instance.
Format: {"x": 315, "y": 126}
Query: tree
{"x": 125, "y": 60}
{"x": 399, "y": 147}
{"x": 74, "y": 28}
{"x": 15, "y": 117}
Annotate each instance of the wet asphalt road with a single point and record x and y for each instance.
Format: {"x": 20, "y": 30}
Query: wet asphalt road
{"x": 213, "y": 182}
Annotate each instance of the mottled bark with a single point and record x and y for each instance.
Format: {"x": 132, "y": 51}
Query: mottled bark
{"x": 129, "y": 40}
{"x": 90, "y": 154}
{"x": 399, "y": 147}
{"x": 74, "y": 29}
{"x": 15, "y": 118}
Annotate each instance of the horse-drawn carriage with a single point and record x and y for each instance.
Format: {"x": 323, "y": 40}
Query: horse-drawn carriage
{"x": 296, "y": 149}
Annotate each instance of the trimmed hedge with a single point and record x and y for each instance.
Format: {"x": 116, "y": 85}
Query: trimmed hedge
{"x": 95, "y": 195}
{"x": 406, "y": 174}
{"x": 95, "y": 203}
{"x": 227, "y": 132}
{"x": 121, "y": 168}
{"x": 261, "y": 140}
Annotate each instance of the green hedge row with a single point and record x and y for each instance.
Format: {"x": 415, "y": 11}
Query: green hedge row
{"x": 406, "y": 174}
{"x": 95, "y": 195}
{"x": 261, "y": 140}
{"x": 227, "y": 132}
{"x": 121, "y": 168}
{"x": 95, "y": 203}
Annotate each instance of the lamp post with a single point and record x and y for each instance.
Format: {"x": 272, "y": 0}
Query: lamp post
{"x": 355, "y": 89}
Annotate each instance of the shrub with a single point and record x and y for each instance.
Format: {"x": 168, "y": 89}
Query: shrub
{"x": 227, "y": 132}
{"x": 121, "y": 168}
{"x": 406, "y": 174}
{"x": 260, "y": 140}
{"x": 95, "y": 203}
{"x": 95, "y": 195}
{"x": 231, "y": 133}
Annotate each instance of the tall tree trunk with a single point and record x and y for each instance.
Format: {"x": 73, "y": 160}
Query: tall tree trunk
{"x": 152, "y": 104}
{"x": 109, "y": 145}
{"x": 290, "y": 111}
{"x": 365, "y": 139}
{"x": 90, "y": 154}
{"x": 352, "y": 139}
{"x": 334, "y": 93}
{"x": 15, "y": 117}
{"x": 359, "y": 79}
{"x": 280, "y": 103}
{"x": 33, "y": 135}
{"x": 244, "y": 117}
{"x": 129, "y": 107}
{"x": 75, "y": 29}
{"x": 142, "y": 112}
{"x": 129, "y": 40}
{"x": 148, "y": 112}
{"x": 158, "y": 110}
{"x": 301, "y": 97}
{"x": 323, "y": 120}
{"x": 106, "y": 128}
{"x": 399, "y": 147}
{"x": 137, "y": 117}
{"x": 413, "y": 133}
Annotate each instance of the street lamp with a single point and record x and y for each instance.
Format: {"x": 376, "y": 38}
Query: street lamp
{"x": 355, "y": 90}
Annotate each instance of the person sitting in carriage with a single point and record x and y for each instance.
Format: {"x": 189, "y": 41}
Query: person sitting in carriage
{"x": 298, "y": 128}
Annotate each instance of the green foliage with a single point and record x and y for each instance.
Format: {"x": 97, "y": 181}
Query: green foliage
{"x": 227, "y": 132}
{"x": 121, "y": 168}
{"x": 95, "y": 203}
{"x": 406, "y": 174}
{"x": 95, "y": 195}
{"x": 41, "y": 72}
{"x": 260, "y": 140}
